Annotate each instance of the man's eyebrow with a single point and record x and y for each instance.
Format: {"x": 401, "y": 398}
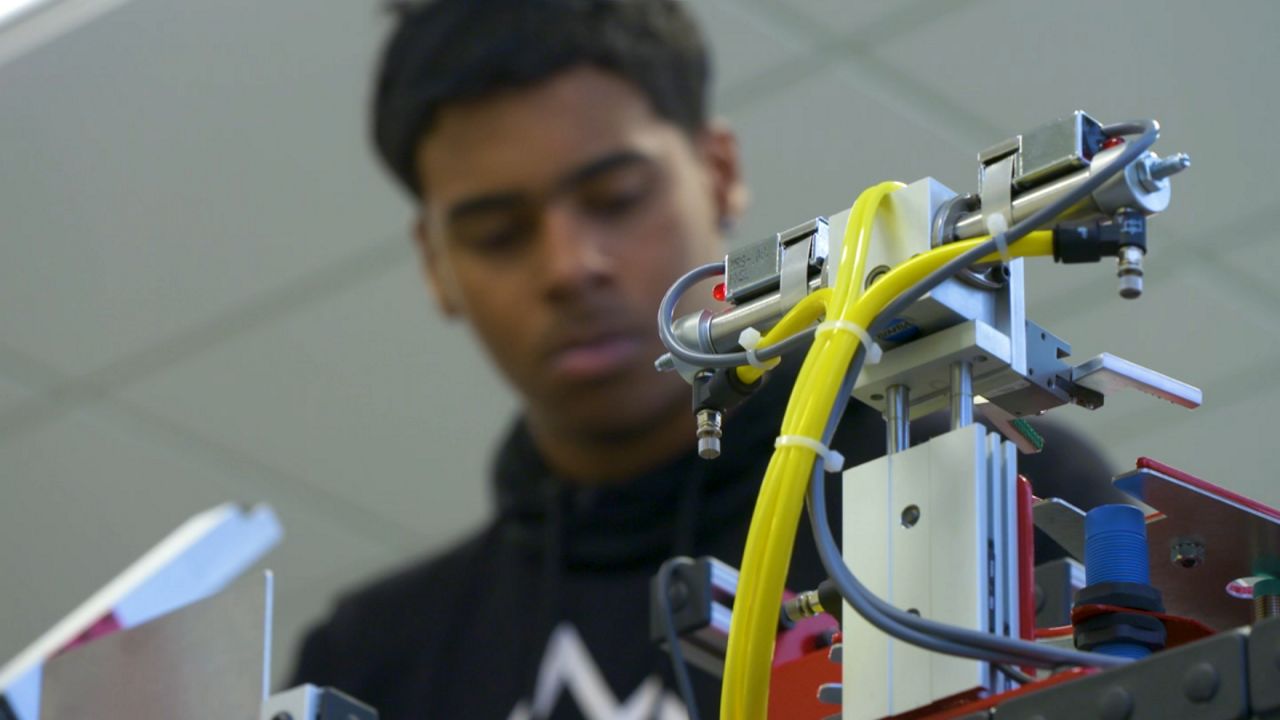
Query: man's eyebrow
{"x": 600, "y": 166}
{"x": 505, "y": 200}
{"x": 482, "y": 204}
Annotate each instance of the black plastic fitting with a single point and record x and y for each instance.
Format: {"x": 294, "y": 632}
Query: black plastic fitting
{"x": 722, "y": 390}
{"x": 1145, "y": 630}
{"x": 1135, "y": 596}
{"x": 1090, "y": 242}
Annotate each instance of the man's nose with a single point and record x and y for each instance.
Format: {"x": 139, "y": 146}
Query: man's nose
{"x": 574, "y": 251}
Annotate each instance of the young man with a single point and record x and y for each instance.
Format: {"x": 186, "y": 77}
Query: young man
{"x": 566, "y": 172}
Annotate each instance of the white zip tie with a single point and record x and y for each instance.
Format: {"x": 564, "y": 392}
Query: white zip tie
{"x": 749, "y": 339}
{"x": 873, "y": 350}
{"x": 998, "y": 226}
{"x": 832, "y": 460}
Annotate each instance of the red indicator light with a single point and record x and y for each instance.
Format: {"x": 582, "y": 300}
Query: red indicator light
{"x": 1112, "y": 142}
{"x": 718, "y": 292}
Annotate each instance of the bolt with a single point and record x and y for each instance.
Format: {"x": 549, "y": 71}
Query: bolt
{"x": 1265, "y": 606}
{"x": 1172, "y": 165}
{"x": 1151, "y": 169}
{"x": 1200, "y": 682}
{"x": 1186, "y": 553}
{"x": 1115, "y": 704}
{"x": 804, "y": 605}
{"x": 709, "y": 433}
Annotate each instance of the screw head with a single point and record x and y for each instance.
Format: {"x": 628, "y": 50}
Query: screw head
{"x": 910, "y": 516}
{"x": 1186, "y": 553}
{"x": 1200, "y": 682}
{"x": 1115, "y": 704}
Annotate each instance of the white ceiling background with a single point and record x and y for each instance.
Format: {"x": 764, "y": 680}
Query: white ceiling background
{"x": 207, "y": 291}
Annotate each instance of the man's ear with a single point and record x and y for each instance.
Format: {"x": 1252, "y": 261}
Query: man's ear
{"x": 720, "y": 149}
{"x": 438, "y": 274}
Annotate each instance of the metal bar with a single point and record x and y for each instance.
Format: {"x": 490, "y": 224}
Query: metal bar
{"x": 898, "y": 417}
{"x": 961, "y": 394}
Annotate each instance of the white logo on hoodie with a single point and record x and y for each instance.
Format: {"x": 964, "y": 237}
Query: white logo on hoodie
{"x": 568, "y": 665}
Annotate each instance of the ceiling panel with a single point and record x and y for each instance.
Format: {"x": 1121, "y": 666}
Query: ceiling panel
{"x": 87, "y": 495}
{"x": 743, "y": 44}
{"x": 12, "y": 393}
{"x": 802, "y": 159}
{"x": 171, "y": 159}
{"x": 1203, "y": 72}
{"x": 367, "y": 395}
{"x": 1252, "y": 257}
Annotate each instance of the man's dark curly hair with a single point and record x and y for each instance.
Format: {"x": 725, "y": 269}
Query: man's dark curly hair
{"x": 445, "y": 51}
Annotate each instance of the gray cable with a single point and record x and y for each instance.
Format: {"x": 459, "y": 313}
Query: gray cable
{"x": 680, "y": 351}
{"x": 1150, "y": 132}
{"x": 904, "y": 625}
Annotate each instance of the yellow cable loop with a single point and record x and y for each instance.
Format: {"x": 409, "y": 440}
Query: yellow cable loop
{"x": 805, "y": 312}
{"x": 745, "y": 692}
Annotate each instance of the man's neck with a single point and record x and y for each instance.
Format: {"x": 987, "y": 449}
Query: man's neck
{"x": 592, "y": 459}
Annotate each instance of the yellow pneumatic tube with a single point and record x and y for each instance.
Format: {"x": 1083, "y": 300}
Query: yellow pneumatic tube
{"x": 745, "y": 692}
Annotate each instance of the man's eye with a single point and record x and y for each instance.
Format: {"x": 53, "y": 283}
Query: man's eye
{"x": 491, "y": 237}
{"x": 613, "y": 205}
{"x": 496, "y": 242}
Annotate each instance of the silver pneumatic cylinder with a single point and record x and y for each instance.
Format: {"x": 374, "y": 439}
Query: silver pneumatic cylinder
{"x": 1143, "y": 186}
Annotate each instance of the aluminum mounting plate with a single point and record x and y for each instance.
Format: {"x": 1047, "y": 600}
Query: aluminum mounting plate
{"x": 1232, "y": 530}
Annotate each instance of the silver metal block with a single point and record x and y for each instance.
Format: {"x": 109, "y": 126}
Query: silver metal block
{"x": 925, "y": 366}
{"x": 1057, "y": 148}
{"x": 756, "y": 268}
{"x": 952, "y": 564}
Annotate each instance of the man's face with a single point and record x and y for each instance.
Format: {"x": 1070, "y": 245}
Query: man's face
{"x": 554, "y": 218}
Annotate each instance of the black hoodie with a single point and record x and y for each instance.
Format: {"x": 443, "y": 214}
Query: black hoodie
{"x": 544, "y": 612}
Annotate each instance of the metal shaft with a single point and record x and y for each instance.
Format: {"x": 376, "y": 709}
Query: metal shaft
{"x": 961, "y": 394}
{"x": 897, "y": 418}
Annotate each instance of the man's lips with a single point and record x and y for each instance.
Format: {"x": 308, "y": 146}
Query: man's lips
{"x": 595, "y": 357}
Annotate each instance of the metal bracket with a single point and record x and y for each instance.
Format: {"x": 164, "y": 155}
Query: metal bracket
{"x": 758, "y": 268}
{"x": 1107, "y": 374}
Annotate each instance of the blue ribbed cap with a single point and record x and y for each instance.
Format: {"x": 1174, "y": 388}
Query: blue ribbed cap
{"x": 1115, "y": 545}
